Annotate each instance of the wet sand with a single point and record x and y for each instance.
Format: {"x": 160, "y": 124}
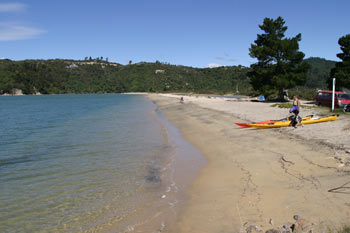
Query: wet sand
{"x": 260, "y": 178}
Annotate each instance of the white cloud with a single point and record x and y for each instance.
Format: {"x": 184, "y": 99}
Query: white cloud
{"x": 12, "y": 7}
{"x": 13, "y": 31}
{"x": 10, "y": 32}
{"x": 213, "y": 65}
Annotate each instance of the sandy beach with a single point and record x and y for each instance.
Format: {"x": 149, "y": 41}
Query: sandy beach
{"x": 256, "y": 180}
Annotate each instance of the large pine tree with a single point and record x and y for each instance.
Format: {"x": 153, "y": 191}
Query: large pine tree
{"x": 280, "y": 63}
{"x": 342, "y": 69}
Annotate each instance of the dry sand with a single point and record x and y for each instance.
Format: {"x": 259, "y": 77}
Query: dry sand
{"x": 259, "y": 179}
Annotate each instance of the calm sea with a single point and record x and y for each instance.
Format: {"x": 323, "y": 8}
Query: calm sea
{"x": 90, "y": 163}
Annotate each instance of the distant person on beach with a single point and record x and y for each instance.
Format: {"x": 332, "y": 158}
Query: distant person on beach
{"x": 182, "y": 99}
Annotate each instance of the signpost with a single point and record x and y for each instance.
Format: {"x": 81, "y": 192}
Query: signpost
{"x": 333, "y": 94}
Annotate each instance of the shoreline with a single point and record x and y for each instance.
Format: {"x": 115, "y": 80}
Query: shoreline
{"x": 257, "y": 178}
{"x": 178, "y": 172}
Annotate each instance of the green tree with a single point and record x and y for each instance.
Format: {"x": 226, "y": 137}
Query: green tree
{"x": 341, "y": 71}
{"x": 280, "y": 63}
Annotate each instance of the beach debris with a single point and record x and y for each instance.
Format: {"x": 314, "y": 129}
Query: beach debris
{"x": 287, "y": 161}
{"x": 161, "y": 228}
{"x": 130, "y": 228}
{"x": 341, "y": 189}
{"x": 285, "y": 228}
{"x": 300, "y": 226}
{"x": 342, "y": 160}
{"x": 253, "y": 229}
{"x": 272, "y": 231}
{"x": 164, "y": 196}
{"x": 348, "y": 151}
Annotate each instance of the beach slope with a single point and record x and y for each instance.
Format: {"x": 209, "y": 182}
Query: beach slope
{"x": 256, "y": 179}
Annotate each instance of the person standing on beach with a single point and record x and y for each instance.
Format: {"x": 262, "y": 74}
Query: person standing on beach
{"x": 296, "y": 105}
{"x": 296, "y": 119}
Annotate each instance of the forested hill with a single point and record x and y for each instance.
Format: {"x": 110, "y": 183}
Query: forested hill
{"x": 319, "y": 72}
{"x": 98, "y": 76}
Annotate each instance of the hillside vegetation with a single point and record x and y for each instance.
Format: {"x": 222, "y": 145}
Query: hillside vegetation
{"x": 67, "y": 76}
{"x": 319, "y": 72}
{"x": 97, "y": 76}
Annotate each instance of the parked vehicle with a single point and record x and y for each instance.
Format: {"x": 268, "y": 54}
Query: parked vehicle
{"x": 325, "y": 98}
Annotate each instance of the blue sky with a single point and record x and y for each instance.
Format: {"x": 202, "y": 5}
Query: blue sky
{"x": 181, "y": 32}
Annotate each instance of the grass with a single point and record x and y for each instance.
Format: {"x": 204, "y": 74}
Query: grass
{"x": 289, "y": 105}
{"x": 323, "y": 111}
{"x": 340, "y": 112}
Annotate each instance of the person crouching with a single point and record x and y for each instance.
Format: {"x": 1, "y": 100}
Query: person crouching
{"x": 295, "y": 120}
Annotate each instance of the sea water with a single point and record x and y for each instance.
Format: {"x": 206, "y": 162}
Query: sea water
{"x": 90, "y": 163}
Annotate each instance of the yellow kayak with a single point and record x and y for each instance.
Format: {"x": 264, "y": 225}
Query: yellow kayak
{"x": 287, "y": 123}
{"x": 245, "y": 125}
